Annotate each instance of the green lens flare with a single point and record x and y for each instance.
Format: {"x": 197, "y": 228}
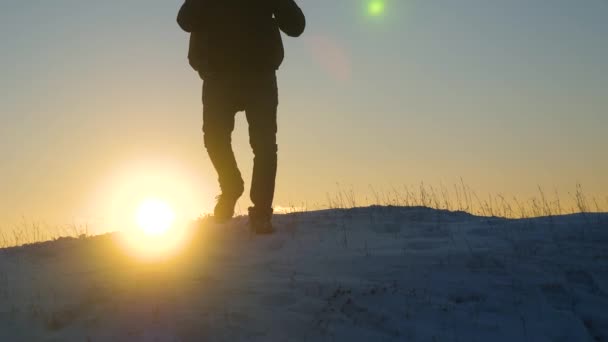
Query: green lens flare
{"x": 375, "y": 8}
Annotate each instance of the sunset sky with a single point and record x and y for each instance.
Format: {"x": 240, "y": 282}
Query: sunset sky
{"x": 99, "y": 108}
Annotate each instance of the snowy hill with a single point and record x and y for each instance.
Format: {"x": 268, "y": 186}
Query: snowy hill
{"x": 364, "y": 274}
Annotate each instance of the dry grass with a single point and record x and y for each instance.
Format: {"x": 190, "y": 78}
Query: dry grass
{"x": 461, "y": 197}
{"x": 458, "y": 197}
{"x": 30, "y": 232}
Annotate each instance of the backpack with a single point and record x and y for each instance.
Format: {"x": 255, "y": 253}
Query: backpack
{"x": 239, "y": 38}
{"x": 197, "y": 52}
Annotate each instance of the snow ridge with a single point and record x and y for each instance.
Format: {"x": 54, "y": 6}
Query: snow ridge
{"x": 361, "y": 274}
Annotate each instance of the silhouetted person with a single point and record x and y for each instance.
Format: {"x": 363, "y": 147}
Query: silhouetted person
{"x": 236, "y": 47}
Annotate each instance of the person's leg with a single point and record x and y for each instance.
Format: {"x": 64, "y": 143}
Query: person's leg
{"x": 261, "y": 109}
{"x": 219, "y": 111}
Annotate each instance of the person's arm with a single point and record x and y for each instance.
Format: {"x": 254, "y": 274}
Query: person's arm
{"x": 290, "y": 18}
{"x": 189, "y": 16}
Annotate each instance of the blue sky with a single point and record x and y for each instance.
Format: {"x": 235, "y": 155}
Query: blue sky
{"x": 506, "y": 94}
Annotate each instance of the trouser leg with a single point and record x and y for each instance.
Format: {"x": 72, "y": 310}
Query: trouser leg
{"x": 262, "y": 118}
{"x": 218, "y": 124}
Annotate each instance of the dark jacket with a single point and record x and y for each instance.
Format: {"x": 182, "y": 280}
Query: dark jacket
{"x": 239, "y": 35}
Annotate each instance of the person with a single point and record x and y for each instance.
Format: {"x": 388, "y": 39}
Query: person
{"x": 236, "y": 48}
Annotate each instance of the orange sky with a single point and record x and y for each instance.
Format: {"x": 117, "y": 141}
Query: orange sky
{"x": 99, "y": 108}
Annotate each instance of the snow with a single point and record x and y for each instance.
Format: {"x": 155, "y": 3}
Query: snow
{"x": 362, "y": 274}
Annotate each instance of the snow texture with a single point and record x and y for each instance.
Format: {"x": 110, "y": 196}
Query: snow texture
{"x": 363, "y": 274}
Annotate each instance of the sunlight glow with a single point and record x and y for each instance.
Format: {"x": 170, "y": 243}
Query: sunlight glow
{"x": 146, "y": 247}
{"x": 151, "y": 204}
{"x": 155, "y": 216}
{"x": 157, "y": 236}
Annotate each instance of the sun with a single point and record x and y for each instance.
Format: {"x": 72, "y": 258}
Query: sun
{"x": 154, "y": 216}
{"x": 158, "y": 231}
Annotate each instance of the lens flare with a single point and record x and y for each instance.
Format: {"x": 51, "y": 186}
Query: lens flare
{"x": 376, "y": 8}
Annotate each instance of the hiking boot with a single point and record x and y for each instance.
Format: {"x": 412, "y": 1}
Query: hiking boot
{"x": 224, "y": 209}
{"x": 260, "y": 221}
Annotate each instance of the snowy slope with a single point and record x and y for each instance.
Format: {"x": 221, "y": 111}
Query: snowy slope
{"x": 364, "y": 274}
